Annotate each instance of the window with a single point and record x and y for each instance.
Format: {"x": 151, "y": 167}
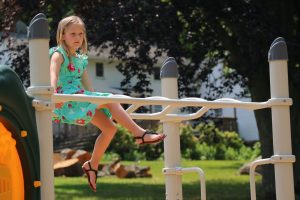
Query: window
{"x": 218, "y": 112}
{"x": 156, "y": 73}
{"x": 157, "y": 108}
{"x": 99, "y": 70}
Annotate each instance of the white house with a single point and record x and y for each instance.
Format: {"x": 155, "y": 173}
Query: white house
{"x": 106, "y": 78}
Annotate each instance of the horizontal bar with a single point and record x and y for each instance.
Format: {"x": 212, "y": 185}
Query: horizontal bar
{"x": 169, "y": 117}
{"x": 34, "y": 90}
{"x": 194, "y": 102}
{"x": 42, "y": 105}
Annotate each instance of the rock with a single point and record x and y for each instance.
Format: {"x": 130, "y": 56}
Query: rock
{"x": 67, "y": 153}
{"x": 57, "y": 158}
{"x": 82, "y": 156}
{"x": 131, "y": 171}
{"x": 69, "y": 161}
{"x": 70, "y": 167}
{"x": 121, "y": 172}
{"x": 245, "y": 169}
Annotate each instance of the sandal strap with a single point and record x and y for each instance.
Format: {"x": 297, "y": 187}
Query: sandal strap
{"x": 147, "y": 132}
{"x": 91, "y": 169}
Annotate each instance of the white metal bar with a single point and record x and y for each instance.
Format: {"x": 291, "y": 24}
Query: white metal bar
{"x": 41, "y": 105}
{"x": 282, "y": 144}
{"x": 40, "y": 80}
{"x": 132, "y": 108}
{"x": 202, "y": 179}
{"x": 274, "y": 159}
{"x": 179, "y": 171}
{"x": 174, "y": 102}
{"x": 171, "y": 104}
{"x": 253, "y": 166}
{"x": 172, "y": 152}
{"x": 38, "y": 90}
{"x": 182, "y": 117}
{"x": 163, "y": 116}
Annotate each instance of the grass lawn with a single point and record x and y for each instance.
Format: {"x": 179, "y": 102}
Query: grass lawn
{"x": 222, "y": 182}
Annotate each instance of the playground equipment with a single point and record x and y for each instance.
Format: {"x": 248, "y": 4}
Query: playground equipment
{"x": 19, "y": 146}
{"x": 279, "y": 103}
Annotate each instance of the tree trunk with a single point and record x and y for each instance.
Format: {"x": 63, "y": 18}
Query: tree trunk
{"x": 295, "y": 128}
{"x": 260, "y": 91}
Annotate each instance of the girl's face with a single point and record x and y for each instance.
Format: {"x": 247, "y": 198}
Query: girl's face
{"x": 73, "y": 37}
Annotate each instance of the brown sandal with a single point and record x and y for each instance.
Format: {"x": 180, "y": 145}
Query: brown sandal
{"x": 86, "y": 171}
{"x": 151, "y": 141}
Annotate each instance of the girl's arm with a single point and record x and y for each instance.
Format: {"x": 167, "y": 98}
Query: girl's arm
{"x": 86, "y": 81}
{"x": 55, "y": 64}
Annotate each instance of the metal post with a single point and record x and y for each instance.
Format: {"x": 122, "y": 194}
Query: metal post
{"x": 38, "y": 35}
{"x": 281, "y": 119}
{"x": 172, "y": 155}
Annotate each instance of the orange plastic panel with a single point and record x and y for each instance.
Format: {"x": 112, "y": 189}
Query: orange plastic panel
{"x": 11, "y": 174}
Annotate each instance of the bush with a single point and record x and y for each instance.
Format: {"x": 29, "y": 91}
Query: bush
{"x": 211, "y": 144}
{"x": 188, "y": 141}
{"x": 124, "y": 145}
{"x": 215, "y": 144}
{"x": 204, "y": 152}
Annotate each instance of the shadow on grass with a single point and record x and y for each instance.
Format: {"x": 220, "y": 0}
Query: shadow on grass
{"x": 216, "y": 190}
{"x": 110, "y": 191}
{"x": 232, "y": 166}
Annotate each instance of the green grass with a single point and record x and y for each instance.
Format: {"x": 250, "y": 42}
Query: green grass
{"x": 222, "y": 182}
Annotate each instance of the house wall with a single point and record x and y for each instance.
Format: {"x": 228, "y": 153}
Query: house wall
{"x": 110, "y": 82}
{"x": 247, "y": 127}
{"x": 111, "y": 77}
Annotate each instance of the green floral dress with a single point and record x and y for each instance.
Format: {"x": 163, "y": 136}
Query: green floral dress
{"x": 69, "y": 82}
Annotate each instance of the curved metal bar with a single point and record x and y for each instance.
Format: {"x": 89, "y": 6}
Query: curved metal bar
{"x": 171, "y": 104}
{"x": 196, "y": 102}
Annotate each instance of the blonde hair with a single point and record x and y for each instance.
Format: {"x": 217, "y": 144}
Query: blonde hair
{"x": 63, "y": 24}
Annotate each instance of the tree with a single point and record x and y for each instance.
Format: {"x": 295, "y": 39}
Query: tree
{"x": 239, "y": 32}
{"x": 13, "y": 10}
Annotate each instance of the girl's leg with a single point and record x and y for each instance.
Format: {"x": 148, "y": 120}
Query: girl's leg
{"x": 122, "y": 117}
{"x": 108, "y": 129}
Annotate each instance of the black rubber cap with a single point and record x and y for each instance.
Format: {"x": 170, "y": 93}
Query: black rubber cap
{"x": 38, "y": 27}
{"x": 278, "y": 50}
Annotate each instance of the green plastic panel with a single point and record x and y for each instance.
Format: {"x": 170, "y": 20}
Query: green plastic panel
{"x": 17, "y": 114}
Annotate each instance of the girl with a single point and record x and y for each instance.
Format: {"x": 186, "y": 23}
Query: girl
{"x": 68, "y": 75}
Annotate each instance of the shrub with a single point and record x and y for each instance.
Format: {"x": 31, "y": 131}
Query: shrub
{"x": 204, "y": 152}
{"x": 188, "y": 142}
{"x": 215, "y": 144}
{"x": 210, "y": 144}
{"x": 124, "y": 145}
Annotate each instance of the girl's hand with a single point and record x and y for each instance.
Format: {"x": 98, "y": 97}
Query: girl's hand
{"x": 86, "y": 81}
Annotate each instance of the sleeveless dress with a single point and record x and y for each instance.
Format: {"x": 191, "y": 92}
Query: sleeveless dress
{"x": 69, "y": 82}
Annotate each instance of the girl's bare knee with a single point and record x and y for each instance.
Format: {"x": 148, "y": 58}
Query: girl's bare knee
{"x": 114, "y": 129}
{"x": 111, "y": 130}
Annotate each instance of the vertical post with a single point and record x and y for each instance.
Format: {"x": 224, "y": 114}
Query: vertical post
{"x": 172, "y": 155}
{"x": 281, "y": 119}
{"x": 38, "y": 35}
